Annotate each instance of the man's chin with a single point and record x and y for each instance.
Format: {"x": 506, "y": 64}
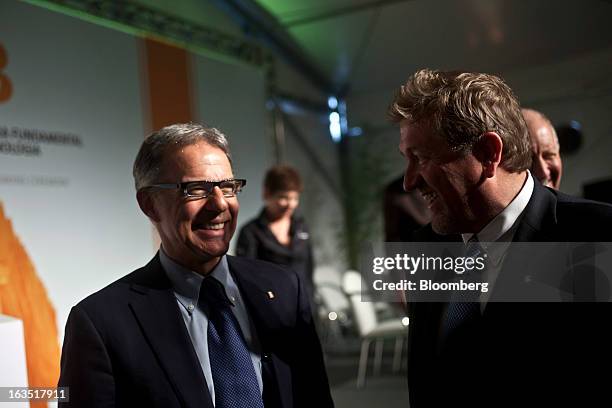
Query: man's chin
{"x": 442, "y": 226}
{"x": 210, "y": 250}
{"x": 216, "y": 252}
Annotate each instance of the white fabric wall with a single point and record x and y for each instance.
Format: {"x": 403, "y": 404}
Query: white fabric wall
{"x": 232, "y": 98}
{"x": 71, "y": 76}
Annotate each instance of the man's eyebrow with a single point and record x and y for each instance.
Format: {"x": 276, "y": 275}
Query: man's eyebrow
{"x": 413, "y": 151}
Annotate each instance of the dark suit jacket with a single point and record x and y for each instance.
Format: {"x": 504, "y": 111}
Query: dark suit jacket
{"x": 520, "y": 353}
{"x": 256, "y": 241}
{"x": 127, "y": 345}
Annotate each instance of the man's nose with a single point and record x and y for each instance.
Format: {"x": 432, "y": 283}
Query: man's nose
{"x": 412, "y": 177}
{"x": 216, "y": 201}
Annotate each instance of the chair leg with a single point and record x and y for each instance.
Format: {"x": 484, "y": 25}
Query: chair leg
{"x": 397, "y": 354}
{"x": 378, "y": 356}
{"x": 363, "y": 362}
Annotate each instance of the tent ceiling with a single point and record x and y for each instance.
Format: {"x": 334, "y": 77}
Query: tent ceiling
{"x": 369, "y": 45}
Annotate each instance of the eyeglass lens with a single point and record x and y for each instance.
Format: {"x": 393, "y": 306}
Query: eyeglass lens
{"x": 229, "y": 188}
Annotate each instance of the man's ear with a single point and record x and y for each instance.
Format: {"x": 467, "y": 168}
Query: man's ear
{"x": 145, "y": 202}
{"x": 488, "y": 151}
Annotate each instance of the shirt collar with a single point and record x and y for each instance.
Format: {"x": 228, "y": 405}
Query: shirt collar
{"x": 186, "y": 283}
{"x": 505, "y": 220}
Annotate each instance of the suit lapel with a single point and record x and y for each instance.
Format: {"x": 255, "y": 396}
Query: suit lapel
{"x": 536, "y": 224}
{"x": 154, "y": 305}
{"x": 262, "y": 296}
{"x": 540, "y": 215}
{"x": 260, "y": 293}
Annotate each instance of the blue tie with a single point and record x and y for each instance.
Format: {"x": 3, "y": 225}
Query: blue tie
{"x": 234, "y": 378}
{"x": 463, "y": 307}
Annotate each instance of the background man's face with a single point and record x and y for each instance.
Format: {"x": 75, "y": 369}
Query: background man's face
{"x": 546, "y": 165}
{"x": 194, "y": 231}
{"x": 447, "y": 180}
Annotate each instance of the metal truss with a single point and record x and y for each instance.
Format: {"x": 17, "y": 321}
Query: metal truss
{"x": 154, "y": 22}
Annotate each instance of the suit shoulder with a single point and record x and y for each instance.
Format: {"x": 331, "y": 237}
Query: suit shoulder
{"x": 112, "y": 293}
{"x": 579, "y": 209}
{"x": 583, "y": 220}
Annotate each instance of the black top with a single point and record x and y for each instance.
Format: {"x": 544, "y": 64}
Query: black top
{"x": 257, "y": 241}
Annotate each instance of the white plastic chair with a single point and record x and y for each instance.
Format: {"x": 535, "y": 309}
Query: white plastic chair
{"x": 370, "y": 329}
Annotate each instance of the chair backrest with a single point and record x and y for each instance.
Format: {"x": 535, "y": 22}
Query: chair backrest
{"x": 327, "y": 274}
{"x": 364, "y": 313}
{"x": 332, "y": 297}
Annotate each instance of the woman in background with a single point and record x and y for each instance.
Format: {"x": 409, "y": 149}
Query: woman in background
{"x": 278, "y": 234}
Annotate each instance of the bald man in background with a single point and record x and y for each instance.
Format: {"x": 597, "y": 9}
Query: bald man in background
{"x": 546, "y": 165}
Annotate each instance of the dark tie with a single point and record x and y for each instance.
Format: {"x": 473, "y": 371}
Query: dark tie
{"x": 463, "y": 306}
{"x": 233, "y": 374}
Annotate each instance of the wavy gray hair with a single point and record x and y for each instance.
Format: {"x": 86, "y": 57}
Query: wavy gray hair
{"x": 151, "y": 154}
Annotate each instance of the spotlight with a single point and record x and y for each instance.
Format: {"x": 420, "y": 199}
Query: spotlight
{"x": 570, "y": 136}
{"x": 332, "y": 102}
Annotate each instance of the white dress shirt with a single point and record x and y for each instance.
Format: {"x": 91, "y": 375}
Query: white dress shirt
{"x": 500, "y": 232}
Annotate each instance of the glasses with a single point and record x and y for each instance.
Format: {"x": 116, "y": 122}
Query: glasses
{"x": 202, "y": 189}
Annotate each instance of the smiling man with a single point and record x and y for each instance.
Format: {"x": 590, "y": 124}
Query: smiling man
{"x": 194, "y": 327}
{"x": 547, "y": 166}
{"x": 468, "y": 151}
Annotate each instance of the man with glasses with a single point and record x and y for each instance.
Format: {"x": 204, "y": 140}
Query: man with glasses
{"x": 194, "y": 327}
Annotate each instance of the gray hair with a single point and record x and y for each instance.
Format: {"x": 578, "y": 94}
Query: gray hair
{"x": 151, "y": 154}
